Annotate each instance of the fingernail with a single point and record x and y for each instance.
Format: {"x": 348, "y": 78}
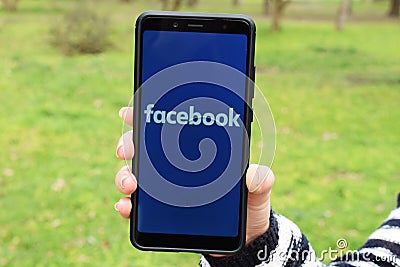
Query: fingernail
{"x": 117, "y": 151}
{"x": 256, "y": 182}
{"x": 121, "y": 112}
{"x": 122, "y": 182}
{"x": 116, "y": 206}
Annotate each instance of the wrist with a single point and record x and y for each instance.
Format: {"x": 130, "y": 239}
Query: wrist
{"x": 253, "y": 235}
{"x": 250, "y": 254}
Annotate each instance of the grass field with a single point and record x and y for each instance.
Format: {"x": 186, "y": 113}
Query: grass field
{"x": 335, "y": 97}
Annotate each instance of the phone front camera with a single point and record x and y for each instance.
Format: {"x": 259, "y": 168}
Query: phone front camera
{"x": 175, "y": 24}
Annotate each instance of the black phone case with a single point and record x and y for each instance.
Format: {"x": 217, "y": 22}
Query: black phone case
{"x": 249, "y": 116}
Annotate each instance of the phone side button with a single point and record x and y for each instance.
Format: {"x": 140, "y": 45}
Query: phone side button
{"x": 250, "y": 116}
{"x": 253, "y": 78}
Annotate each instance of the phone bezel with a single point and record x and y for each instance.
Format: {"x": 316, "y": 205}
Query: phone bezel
{"x": 189, "y": 22}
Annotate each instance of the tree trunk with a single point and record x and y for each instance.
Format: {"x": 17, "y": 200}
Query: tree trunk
{"x": 343, "y": 14}
{"x": 279, "y": 5}
{"x": 394, "y": 10}
{"x": 192, "y": 3}
{"x": 164, "y": 4}
{"x": 236, "y": 2}
{"x": 267, "y": 7}
{"x": 10, "y": 5}
{"x": 177, "y": 5}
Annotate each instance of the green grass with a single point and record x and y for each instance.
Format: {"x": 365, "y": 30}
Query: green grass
{"x": 334, "y": 95}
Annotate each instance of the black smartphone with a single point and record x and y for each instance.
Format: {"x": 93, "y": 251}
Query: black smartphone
{"x": 192, "y": 114}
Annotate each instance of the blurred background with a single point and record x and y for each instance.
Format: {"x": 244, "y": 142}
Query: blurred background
{"x": 330, "y": 70}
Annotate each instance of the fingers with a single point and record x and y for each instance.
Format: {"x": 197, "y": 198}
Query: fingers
{"x": 125, "y": 181}
{"x": 126, "y": 113}
{"x": 126, "y": 184}
{"x": 125, "y": 149}
{"x": 124, "y": 207}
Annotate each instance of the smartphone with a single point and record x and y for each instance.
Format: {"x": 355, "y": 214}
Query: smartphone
{"x": 193, "y": 88}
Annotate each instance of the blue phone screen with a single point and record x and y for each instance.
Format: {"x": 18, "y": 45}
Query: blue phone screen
{"x": 191, "y": 136}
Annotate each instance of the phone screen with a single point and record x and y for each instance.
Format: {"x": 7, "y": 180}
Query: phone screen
{"x": 191, "y": 134}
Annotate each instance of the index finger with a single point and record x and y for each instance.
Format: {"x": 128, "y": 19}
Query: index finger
{"x": 126, "y": 113}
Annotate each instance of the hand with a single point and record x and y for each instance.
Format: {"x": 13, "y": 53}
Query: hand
{"x": 259, "y": 181}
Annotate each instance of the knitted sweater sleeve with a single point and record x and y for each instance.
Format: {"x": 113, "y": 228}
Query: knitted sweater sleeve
{"x": 284, "y": 245}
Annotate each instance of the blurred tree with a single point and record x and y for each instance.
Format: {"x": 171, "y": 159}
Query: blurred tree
{"x": 278, "y": 7}
{"x": 267, "y": 7}
{"x": 10, "y": 5}
{"x": 176, "y": 4}
{"x": 394, "y": 10}
{"x": 164, "y": 4}
{"x": 343, "y": 13}
{"x": 192, "y": 3}
{"x": 236, "y": 2}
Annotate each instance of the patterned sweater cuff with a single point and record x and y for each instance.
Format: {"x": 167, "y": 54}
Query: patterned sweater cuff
{"x": 254, "y": 253}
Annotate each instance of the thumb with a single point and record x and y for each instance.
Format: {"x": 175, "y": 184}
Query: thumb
{"x": 259, "y": 181}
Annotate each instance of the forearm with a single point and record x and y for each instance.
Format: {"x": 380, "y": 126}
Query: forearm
{"x": 284, "y": 245}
